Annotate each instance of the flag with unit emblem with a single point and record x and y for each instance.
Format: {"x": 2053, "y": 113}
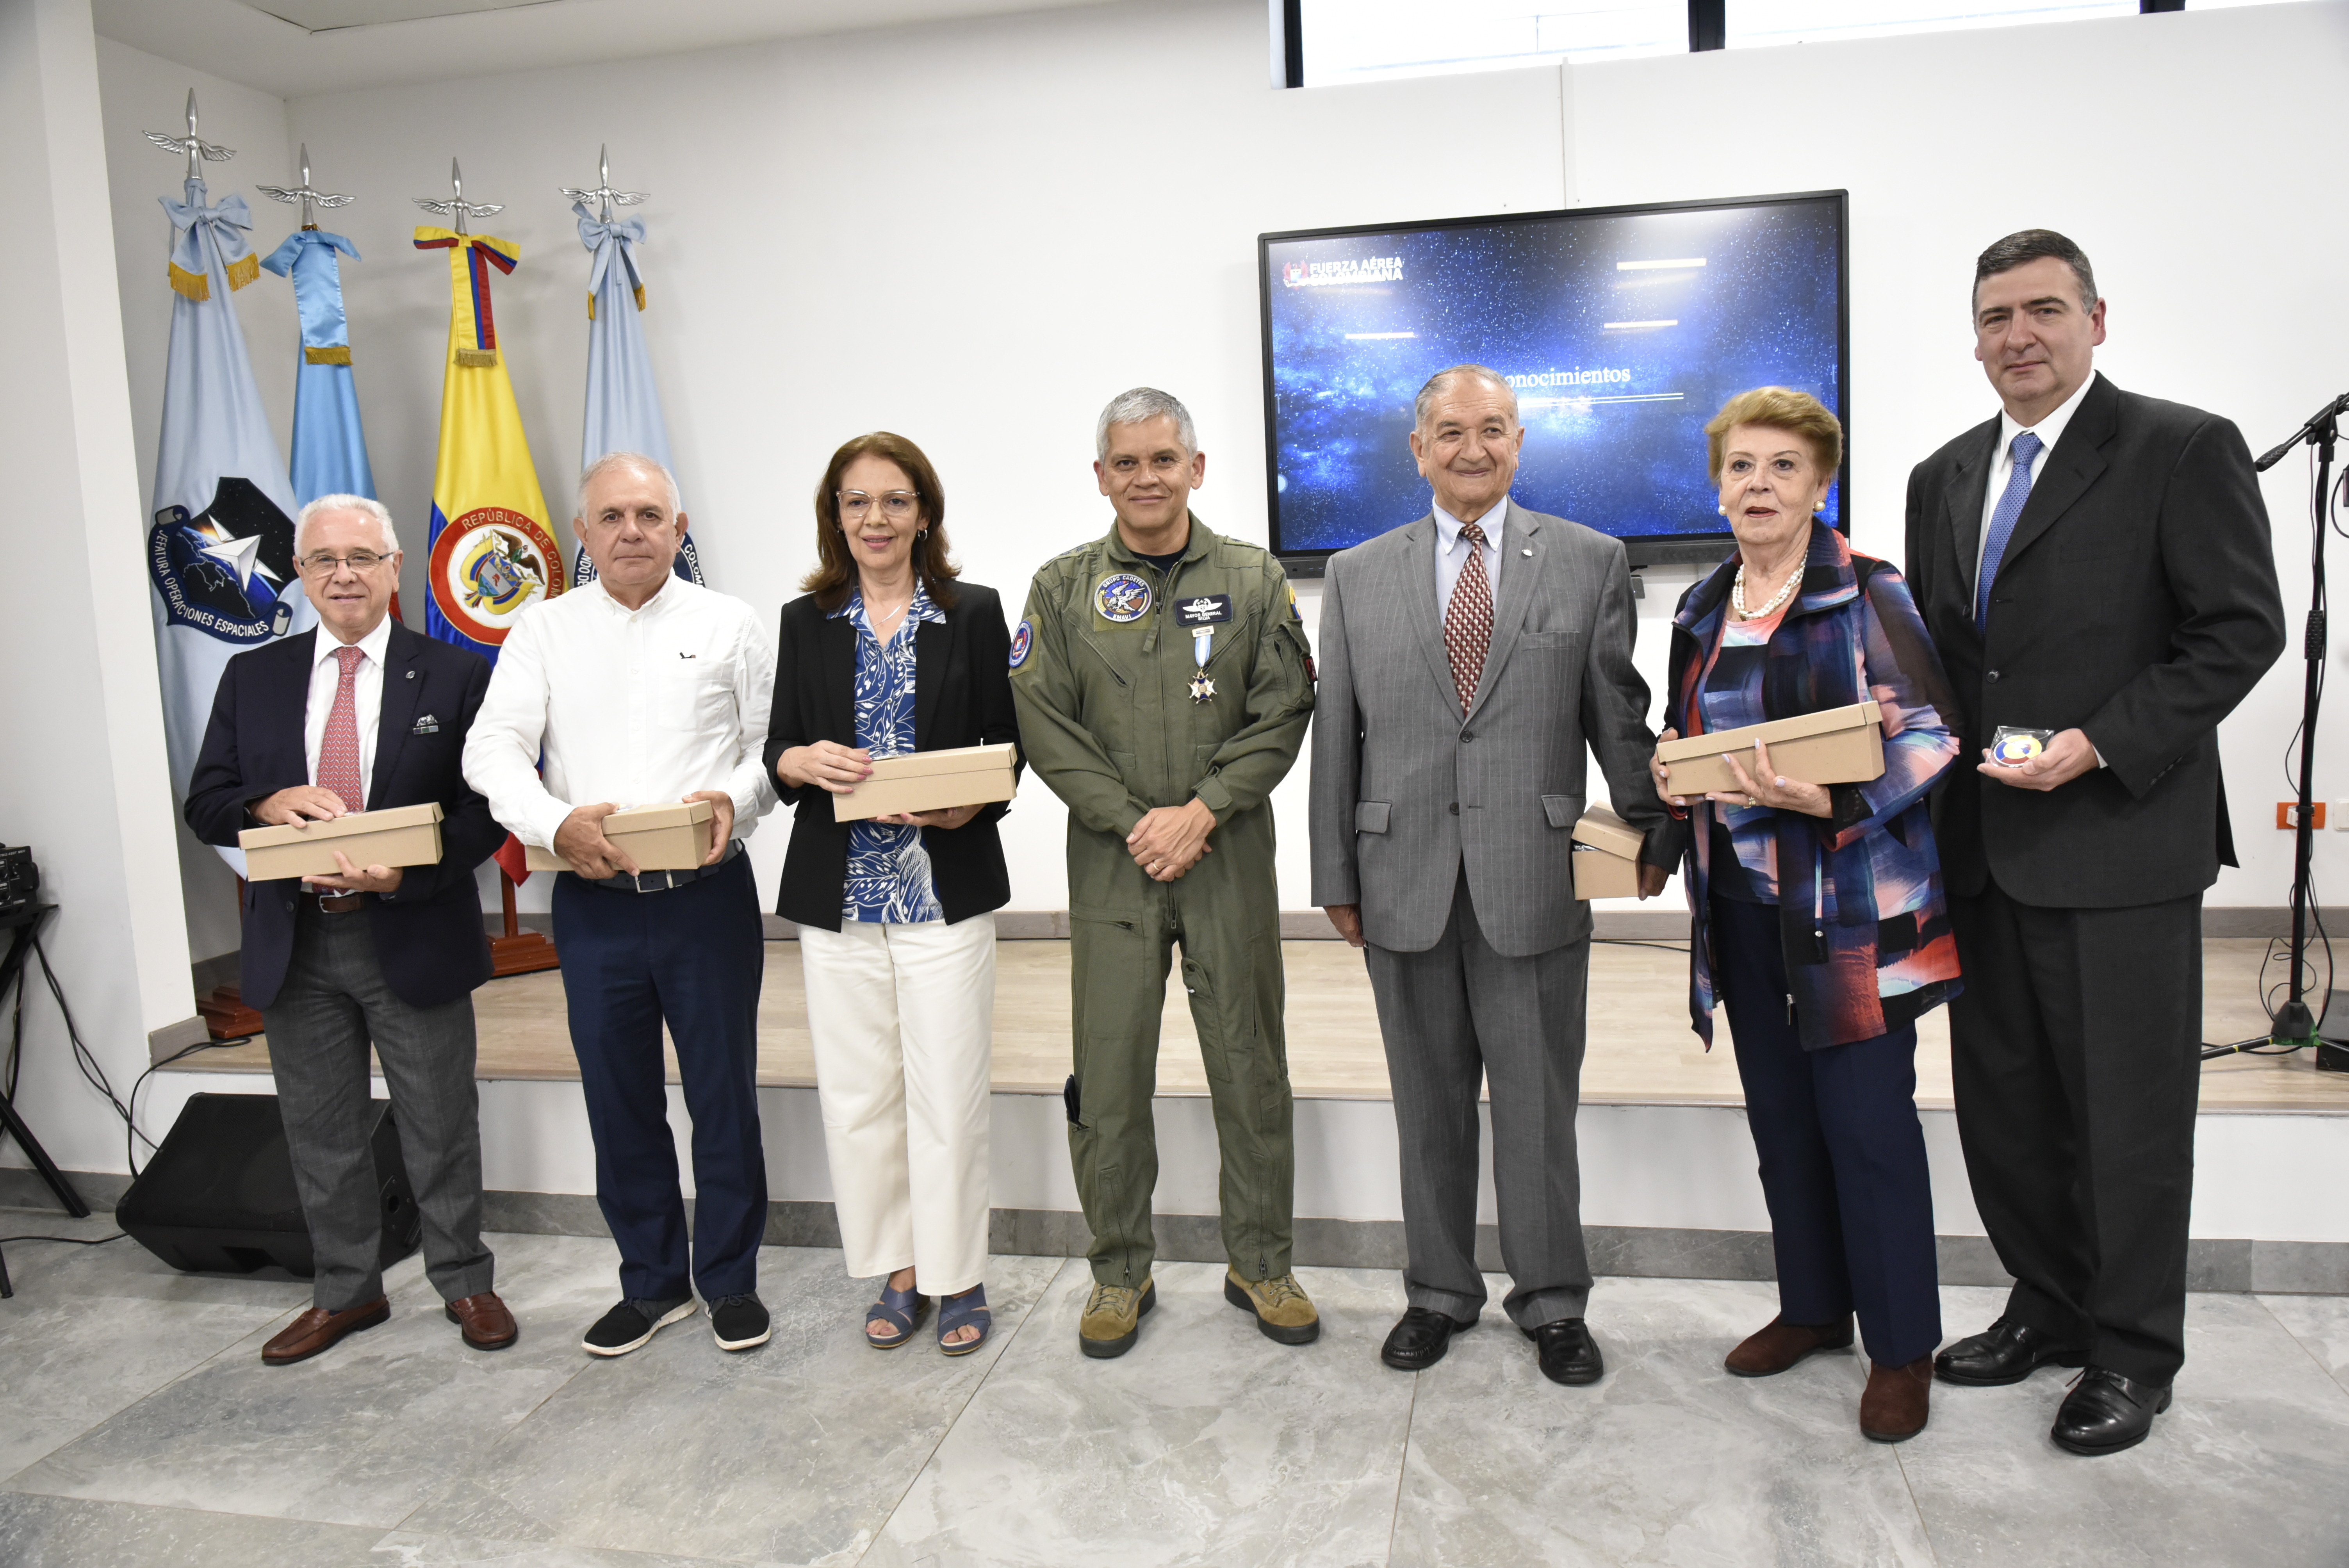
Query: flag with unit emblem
{"x": 624, "y": 406}
{"x": 220, "y": 546}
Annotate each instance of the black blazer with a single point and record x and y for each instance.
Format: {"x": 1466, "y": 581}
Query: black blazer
{"x": 2136, "y": 602}
{"x": 962, "y": 697}
{"x": 428, "y": 935}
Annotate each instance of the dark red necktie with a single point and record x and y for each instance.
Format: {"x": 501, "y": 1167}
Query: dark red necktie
{"x": 338, "y": 753}
{"x": 1468, "y": 618}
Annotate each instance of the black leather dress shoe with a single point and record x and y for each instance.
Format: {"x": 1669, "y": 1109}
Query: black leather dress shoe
{"x": 1420, "y": 1338}
{"x": 2106, "y": 1413}
{"x": 1568, "y": 1354}
{"x": 2006, "y": 1352}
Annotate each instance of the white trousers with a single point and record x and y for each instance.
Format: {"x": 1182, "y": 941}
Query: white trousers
{"x": 903, "y": 1017}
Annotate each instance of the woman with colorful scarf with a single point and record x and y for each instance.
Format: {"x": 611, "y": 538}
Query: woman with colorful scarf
{"x": 1818, "y": 915}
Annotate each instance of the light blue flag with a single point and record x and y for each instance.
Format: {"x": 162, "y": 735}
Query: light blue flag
{"x": 330, "y": 454}
{"x": 220, "y": 552}
{"x": 624, "y": 406}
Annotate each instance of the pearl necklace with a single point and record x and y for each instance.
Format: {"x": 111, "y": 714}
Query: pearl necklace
{"x": 1785, "y": 592}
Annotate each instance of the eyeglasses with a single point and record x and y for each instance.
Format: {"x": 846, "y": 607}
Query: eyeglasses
{"x": 322, "y": 564}
{"x": 856, "y": 506}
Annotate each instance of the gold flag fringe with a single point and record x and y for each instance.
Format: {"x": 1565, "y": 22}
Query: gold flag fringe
{"x": 337, "y": 354}
{"x": 591, "y": 301}
{"x": 194, "y": 285}
{"x": 478, "y": 359}
{"x": 241, "y": 272}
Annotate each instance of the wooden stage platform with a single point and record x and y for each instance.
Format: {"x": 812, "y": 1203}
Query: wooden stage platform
{"x": 1640, "y": 1049}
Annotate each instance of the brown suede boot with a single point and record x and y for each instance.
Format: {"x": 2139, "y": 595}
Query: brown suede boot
{"x": 1893, "y": 1409}
{"x": 1782, "y": 1343}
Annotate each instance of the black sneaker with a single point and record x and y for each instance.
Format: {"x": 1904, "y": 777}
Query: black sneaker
{"x": 630, "y": 1324}
{"x": 740, "y": 1321}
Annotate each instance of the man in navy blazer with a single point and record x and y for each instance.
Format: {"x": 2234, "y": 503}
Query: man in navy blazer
{"x": 363, "y": 715}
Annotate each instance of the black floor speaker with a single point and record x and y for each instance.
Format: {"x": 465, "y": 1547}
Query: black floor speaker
{"x": 219, "y": 1196}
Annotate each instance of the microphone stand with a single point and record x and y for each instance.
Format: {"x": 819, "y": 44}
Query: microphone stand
{"x": 2294, "y": 1027}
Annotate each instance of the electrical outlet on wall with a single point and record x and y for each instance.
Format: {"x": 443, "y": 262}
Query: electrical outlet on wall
{"x": 2341, "y": 816}
{"x": 2287, "y": 815}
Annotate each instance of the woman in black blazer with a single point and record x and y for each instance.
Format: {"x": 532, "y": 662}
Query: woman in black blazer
{"x": 887, "y": 653}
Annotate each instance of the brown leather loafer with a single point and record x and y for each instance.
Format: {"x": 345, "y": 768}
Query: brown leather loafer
{"x": 1894, "y": 1407}
{"x": 485, "y": 1321}
{"x": 1782, "y": 1343}
{"x": 319, "y": 1329}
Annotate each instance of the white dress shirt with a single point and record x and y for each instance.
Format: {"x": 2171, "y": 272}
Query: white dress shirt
{"x": 1451, "y": 553}
{"x": 639, "y": 708}
{"x": 366, "y": 698}
{"x": 2049, "y": 430}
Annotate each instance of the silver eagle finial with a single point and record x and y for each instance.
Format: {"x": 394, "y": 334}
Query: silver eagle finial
{"x": 603, "y": 195}
{"x": 457, "y": 207}
{"x": 194, "y": 146}
{"x": 304, "y": 193}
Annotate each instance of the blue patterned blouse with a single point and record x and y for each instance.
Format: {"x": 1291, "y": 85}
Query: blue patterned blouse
{"x": 888, "y": 869}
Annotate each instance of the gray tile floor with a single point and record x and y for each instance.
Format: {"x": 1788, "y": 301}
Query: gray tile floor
{"x": 138, "y": 1426}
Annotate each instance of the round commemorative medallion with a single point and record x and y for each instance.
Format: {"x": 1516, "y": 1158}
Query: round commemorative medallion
{"x": 1122, "y": 596}
{"x": 2016, "y": 749}
{"x": 488, "y": 566}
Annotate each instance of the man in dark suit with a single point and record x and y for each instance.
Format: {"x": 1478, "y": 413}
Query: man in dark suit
{"x": 363, "y": 714}
{"x": 2096, "y": 564}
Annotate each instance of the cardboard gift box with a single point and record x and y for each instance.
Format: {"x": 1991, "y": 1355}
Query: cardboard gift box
{"x": 931, "y": 781}
{"x": 1837, "y": 745}
{"x": 670, "y": 838}
{"x": 1606, "y": 855}
{"x": 398, "y": 836}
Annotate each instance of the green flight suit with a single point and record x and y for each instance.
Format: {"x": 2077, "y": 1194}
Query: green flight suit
{"x": 1103, "y": 673}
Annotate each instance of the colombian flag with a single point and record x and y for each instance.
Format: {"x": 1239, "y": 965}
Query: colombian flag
{"x": 493, "y": 554}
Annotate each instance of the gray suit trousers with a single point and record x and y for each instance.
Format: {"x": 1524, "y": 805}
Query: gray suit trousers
{"x": 334, "y": 1002}
{"x": 1454, "y": 1014}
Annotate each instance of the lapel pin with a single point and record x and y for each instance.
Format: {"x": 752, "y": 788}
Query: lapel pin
{"x": 1527, "y": 551}
{"x": 412, "y": 675}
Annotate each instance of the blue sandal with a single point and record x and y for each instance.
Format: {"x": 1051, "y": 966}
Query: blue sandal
{"x": 968, "y": 1309}
{"x": 901, "y": 1310}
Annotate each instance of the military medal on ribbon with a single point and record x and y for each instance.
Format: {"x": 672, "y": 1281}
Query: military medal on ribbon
{"x": 1203, "y": 645}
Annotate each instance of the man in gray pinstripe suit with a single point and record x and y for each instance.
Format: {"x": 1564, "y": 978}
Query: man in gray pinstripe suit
{"x": 1468, "y": 661}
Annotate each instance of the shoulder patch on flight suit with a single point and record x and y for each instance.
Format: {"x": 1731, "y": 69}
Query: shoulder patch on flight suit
{"x": 1022, "y": 641}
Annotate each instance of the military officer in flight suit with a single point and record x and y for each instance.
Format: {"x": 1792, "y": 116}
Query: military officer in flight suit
{"x": 1164, "y": 684}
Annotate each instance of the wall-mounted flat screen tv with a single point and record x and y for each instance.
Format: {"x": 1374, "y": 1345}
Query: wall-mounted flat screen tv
{"x": 1622, "y": 329}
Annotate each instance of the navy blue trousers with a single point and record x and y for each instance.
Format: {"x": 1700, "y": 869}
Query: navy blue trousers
{"x": 1842, "y": 1154}
{"x": 694, "y": 956}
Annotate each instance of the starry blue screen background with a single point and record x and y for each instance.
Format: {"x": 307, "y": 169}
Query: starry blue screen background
{"x": 1535, "y": 297}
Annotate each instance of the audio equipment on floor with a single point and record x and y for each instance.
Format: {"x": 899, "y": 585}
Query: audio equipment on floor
{"x": 219, "y": 1195}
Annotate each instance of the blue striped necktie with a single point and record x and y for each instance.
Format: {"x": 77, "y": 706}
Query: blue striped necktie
{"x": 2001, "y": 522}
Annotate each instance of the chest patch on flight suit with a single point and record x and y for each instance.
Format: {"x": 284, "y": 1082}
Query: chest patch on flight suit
{"x": 1205, "y": 610}
{"x": 1122, "y": 597}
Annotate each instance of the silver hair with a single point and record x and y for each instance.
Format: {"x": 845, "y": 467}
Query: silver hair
{"x": 1142, "y": 404}
{"x": 611, "y": 460}
{"x": 1441, "y": 383}
{"x": 358, "y": 503}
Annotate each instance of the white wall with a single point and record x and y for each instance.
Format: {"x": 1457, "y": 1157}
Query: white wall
{"x": 81, "y": 761}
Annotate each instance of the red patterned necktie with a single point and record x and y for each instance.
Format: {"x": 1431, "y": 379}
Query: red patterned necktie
{"x": 1468, "y": 618}
{"x": 339, "y": 754}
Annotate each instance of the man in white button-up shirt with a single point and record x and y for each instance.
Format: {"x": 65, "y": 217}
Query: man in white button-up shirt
{"x": 641, "y": 688}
